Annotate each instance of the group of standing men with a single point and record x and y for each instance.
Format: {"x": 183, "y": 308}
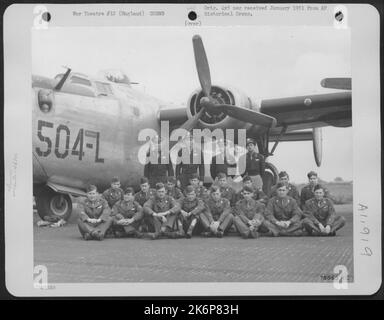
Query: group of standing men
{"x": 166, "y": 207}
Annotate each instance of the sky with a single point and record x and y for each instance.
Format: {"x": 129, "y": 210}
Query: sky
{"x": 263, "y": 62}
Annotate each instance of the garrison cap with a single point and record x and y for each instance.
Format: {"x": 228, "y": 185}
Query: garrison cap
{"x": 171, "y": 180}
{"x": 129, "y": 190}
{"x": 159, "y": 185}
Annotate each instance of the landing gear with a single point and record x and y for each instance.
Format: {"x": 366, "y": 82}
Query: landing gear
{"x": 54, "y": 204}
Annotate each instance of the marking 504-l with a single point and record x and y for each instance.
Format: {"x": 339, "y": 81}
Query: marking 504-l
{"x": 61, "y": 152}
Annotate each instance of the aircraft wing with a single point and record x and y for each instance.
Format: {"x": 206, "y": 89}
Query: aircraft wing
{"x": 311, "y": 111}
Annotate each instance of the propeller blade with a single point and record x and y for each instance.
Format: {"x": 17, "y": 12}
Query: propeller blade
{"x": 202, "y": 65}
{"x": 337, "y": 83}
{"x": 247, "y": 115}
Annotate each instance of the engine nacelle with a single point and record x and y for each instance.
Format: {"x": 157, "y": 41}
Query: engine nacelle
{"x": 213, "y": 119}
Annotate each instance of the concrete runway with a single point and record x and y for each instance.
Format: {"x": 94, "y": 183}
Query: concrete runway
{"x": 70, "y": 259}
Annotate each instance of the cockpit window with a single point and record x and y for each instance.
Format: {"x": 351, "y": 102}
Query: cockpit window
{"x": 103, "y": 88}
{"x": 78, "y": 80}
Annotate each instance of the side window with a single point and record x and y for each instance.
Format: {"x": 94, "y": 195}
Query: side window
{"x": 103, "y": 89}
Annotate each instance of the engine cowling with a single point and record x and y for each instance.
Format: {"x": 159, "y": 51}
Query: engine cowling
{"x": 216, "y": 118}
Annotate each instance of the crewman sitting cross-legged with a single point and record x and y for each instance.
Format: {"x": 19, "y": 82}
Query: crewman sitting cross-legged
{"x": 320, "y": 216}
{"x": 283, "y": 214}
{"x": 162, "y": 212}
{"x": 249, "y": 214}
{"x": 217, "y": 217}
{"x": 127, "y": 216}
{"x": 94, "y": 215}
{"x": 191, "y": 209}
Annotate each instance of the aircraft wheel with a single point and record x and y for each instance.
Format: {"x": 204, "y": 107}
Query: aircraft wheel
{"x": 270, "y": 177}
{"x": 54, "y": 204}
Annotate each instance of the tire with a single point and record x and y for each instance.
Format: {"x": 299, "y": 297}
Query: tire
{"x": 270, "y": 177}
{"x": 54, "y": 204}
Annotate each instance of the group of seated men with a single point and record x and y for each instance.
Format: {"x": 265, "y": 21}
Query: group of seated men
{"x": 167, "y": 211}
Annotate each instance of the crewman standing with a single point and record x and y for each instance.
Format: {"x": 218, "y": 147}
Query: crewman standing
{"x": 308, "y": 191}
{"x": 184, "y": 171}
{"x": 191, "y": 208}
{"x": 114, "y": 193}
{"x": 283, "y": 214}
{"x": 249, "y": 214}
{"x": 162, "y": 212}
{"x": 159, "y": 170}
{"x": 217, "y": 217}
{"x": 94, "y": 215}
{"x": 127, "y": 216}
{"x": 292, "y": 190}
{"x": 254, "y": 164}
{"x": 321, "y": 218}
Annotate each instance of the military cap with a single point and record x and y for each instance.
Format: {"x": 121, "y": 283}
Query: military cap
{"x": 91, "y": 187}
{"x": 115, "y": 179}
{"x": 129, "y": 190}
{"x": 144, "y": 180}
{"x": 159, "y": 185}
{"x": 171, "y": 180}
{"x": 249, "y": 141}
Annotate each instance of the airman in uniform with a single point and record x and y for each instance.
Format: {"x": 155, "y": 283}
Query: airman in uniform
{"x": 283, "y": 214}
{"x": 200, "y": 190}
{"x": 172, "y": 190}
{"x": 191, "y": 209}
{"x": 158, "y": 172}
{"x": 127, "y": 215}
{"x": 292, "y": 190}
{"x": 94, "y": 215}
{"x": 254, "y": 164}
{"x": 114, "y": 193}
{"x": 145, "y": 192}
{"x": 226, "y": 191}
{"x": 217, "y": 217}
{"x": 162, "y": 212}
{"x": 307, "y": 192}
{"x": 184, "y": 171}
{"x": 249, "y": 214}
{"x": 320, "y": 216}
{"x": 258, "y": 194}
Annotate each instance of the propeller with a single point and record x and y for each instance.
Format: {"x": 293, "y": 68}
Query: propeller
{"x": 209, "y": 103}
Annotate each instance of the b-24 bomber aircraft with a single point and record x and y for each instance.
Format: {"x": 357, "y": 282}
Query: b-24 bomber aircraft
{"x": 85, "y": 130}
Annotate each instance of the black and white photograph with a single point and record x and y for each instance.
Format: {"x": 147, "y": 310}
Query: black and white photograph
{"x": 192, "y": 155}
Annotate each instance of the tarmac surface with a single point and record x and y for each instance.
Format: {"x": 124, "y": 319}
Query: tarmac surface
{"x": 69, "y": 259}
